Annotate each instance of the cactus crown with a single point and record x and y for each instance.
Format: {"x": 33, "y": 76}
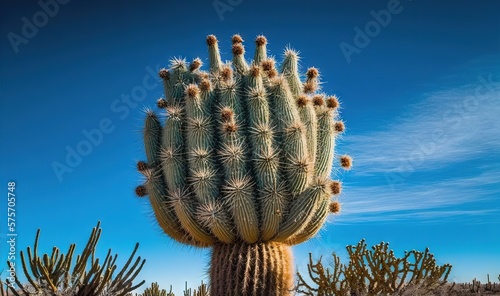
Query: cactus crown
{"x": 246, "y": 150}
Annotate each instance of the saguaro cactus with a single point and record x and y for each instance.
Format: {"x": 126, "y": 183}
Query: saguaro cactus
{"x": 242, "y": 164}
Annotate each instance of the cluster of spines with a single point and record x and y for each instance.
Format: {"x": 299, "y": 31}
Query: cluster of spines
{"x": 245, "y": 152}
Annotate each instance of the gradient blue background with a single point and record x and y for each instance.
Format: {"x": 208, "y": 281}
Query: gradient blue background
{"x": 422, "y": 125}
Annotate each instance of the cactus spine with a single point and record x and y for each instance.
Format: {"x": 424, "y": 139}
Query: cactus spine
{"x": 242, "y": 164}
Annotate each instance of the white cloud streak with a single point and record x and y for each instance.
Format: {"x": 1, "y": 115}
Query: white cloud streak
{"x": 446, "y": 128}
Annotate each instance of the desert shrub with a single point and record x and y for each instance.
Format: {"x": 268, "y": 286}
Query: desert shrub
{"x": 475, "y": 287}
{"x": 155, "y": 290}
{"x": 56, "y": 275}
{"x": 375, "y": 271}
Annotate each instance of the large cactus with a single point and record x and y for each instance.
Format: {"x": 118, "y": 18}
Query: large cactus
{"x": 242, "y": 164}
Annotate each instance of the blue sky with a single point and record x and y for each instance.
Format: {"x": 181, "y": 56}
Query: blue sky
{"x": 420, "y": 96}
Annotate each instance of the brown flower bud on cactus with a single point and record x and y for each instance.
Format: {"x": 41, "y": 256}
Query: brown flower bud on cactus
{"x": 302, "y": 101}
{"x": 164, "y": 74}
{"x": 312, "y": 73}
{"x": 195, "y": 65}
{"x": 334, "y": 207}
{"x": 332, "y": 102}
{"x": 335, "y": 187}
{"x": 339, "y": 127}
{"x": 260, "y": 40}
{"x": 141, "y": 191}
{"x": 237, "y": 39}
{"x": 211, "y": 40}
{"x": 142, "y": 166}
{"x": 318, "y": 100}
{"x": 161, "y": 103}
{"x": 238, "y": 49}
{"x": 346, "y": 162}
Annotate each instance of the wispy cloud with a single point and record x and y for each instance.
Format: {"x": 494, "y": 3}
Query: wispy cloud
{"x": 458, "y": 197}
{"x": 408, "y": 169}
{"x": 445, "y": 127}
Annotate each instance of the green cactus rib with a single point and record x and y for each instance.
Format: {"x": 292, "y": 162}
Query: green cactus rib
{"x": 214, "y": 54}
{"x": 200, "y": 142}
{"x": 173, "y": 160}
{"x": 213, "y": 215}
{"x": 273, "y": 200}
{"x": 303, "y": 210}
{"x": 308, "y": 116}
{"x": 314, "y": 225}
{"x": 326, "y": 143}
{"x": 166, "y": 217}
{"x": 292, "y": 137}
{"x": 260, "y": 50}
{"x": 242, "y": 162}
{"x": 239, "y": 61}
{"x": 152, "y": 132}
{"x": 290, "y": 69}
{"x": 183, "y": 206}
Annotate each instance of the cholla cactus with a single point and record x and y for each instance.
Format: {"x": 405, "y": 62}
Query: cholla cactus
{"x": 242, "y": 164}
{"x": 377, "y": 271}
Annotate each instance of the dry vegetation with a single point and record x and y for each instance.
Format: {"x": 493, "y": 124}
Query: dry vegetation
{"x": 370, "y": 271}
{"x": 376, "y": 271}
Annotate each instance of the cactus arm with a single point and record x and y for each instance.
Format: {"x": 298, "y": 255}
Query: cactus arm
{"x": 194, "y": 73}
{"x": 214, "y": 54}
{"x": 200, "y": 144}
{"x": 326, "y": 138}
{"x": 260, "y": 50}
{"x": 327, "y": 132}
{"x": 173, "y": 160}
{"x": 154, "y": 186}
{"x": 152, "y": 136}
{"x": 180, "y": 76}
{"x": 184, "y": 207}
{"x": 312, "y": 81}
{"x": 309, "y": 118}
{"x": 238, "y": 50}
{"x": 167, "y": 85}
{"x": 303, "y": 209}
{"x": 273, "y": 202}
{"x": 265, "y": 157}
{"x": 239, "y": 186}
{"x": 290, "y": 70}
{"x": 257, "y": 112}
{"x": 239, "y": 194}
{"x": 214, "y": 216}
{"x": 293, "y": 138}
{"x": 314, "y": 225}
{"x": 164, "y": 212}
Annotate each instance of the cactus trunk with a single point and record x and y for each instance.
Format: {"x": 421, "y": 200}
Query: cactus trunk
{"x": 242, "y": 269}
